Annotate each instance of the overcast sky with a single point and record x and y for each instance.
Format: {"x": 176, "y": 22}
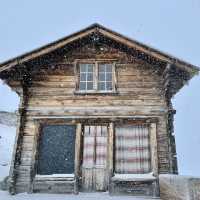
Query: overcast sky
{"x": 172, "y": 26}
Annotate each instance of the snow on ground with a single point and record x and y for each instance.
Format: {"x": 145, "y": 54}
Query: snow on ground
{"x": 81, "y": 196}
{"x": 7, "y": 137}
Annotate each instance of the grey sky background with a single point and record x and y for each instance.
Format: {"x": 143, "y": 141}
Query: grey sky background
{"x": 172, "y": 26}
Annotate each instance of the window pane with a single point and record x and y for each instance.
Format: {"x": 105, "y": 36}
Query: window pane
{"x": 108, "y": 76}
{"x": 90, "y": 67}
{"x": 89, "y": 85}
{"x": 82, "y": 86}
{"x": 108, "y": 85}
{"x": 90, "y": 77}
{"x": 86, "y": 77}
{"x": 105, "y": 77}
{"x": 108, "y": 67}
{"x": 102, "y": 67}
{"x": 83, "y": 77}
{"x": 101, "y": 86}
{"x": 102, "y": 76}
{"x": 83, "y": 67}
{"x": 56, "y": 150}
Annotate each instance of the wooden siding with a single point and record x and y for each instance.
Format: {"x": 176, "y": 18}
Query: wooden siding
{"x": 51, "y": 95}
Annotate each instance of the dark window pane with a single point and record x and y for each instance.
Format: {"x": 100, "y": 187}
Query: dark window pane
{"x": 108, "y": 85}
{"x": 83, "y": 67}
{"x": 90, "y": 77}
{"x": 102, "y": 76}
{"x": 83, "y": 77}
{"x": 90, "y": 67}
{"x": 82, "y": 86}
{"x": 108, "y": 67}
{"x": 102, "y": 68}
{"x": 108, "y": 76}
{"x": 89, "y": 85}
{"x": 56, "y": 150}
{"x": 101, "y": 86}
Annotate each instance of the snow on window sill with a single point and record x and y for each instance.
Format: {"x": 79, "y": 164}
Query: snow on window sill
{"x": 134, "y": 177}
{"x": 54, "y": 176}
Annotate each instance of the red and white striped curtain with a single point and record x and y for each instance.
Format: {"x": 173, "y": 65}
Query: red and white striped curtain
{"x": 95, "y": 146}
{"x": 132, "y": 149}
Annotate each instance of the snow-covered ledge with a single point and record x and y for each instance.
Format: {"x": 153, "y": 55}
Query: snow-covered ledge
{"x": 55, "y": 177}
{"x": 134, "y": 177}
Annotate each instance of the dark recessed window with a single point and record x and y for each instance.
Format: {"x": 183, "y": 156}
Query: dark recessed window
{"x": 56, "y": 150}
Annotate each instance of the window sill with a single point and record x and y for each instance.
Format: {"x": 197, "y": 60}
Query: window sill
{"x": 82, "y": 92}
{"x": 134, "y": 177}
{"x": 55, "y": 177}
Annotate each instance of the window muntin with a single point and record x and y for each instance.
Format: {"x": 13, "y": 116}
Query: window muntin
{"x": 96, "y": 77}
{"x": 132, "y": 149}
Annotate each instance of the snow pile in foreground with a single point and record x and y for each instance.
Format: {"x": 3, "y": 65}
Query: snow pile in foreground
{"x": 7, "y": 137}
{"x": 179, "y": 187}
{"x": 83, "y": 196}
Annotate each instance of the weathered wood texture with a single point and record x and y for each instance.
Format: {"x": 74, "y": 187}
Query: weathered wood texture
{"x": 77, "y": 158}
{"x": 51, "y": 95}
{"x": 95, "y": 158}
{"x": 54, "y": 185}
{"x": 136, "y": 188}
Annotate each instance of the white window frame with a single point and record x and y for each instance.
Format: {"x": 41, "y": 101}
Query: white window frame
{"x": 95, "y": 77}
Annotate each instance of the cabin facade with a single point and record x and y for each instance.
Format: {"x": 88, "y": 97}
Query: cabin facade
{"x": 95, "y": 115}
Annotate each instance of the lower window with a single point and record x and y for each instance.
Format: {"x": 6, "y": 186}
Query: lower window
{"x": 132, "y": 149}
{"x": 56, "y": 150}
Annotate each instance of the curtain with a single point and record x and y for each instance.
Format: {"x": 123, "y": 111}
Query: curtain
{"x": 95, "y": 146}
{"x": 132, "y": 149}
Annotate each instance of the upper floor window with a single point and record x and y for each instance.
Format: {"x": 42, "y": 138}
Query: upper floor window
{"x": 86, "y": 80}
{"x": 96, "y": 77}
{"x": 105, "y": 77}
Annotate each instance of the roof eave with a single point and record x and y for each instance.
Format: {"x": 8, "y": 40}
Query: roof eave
{"x": 192, "y": 69}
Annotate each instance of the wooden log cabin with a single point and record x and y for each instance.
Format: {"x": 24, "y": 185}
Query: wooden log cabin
{"x": 95, "y": 115}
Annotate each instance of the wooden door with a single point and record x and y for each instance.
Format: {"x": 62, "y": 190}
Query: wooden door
{"x": 94, "y": 165}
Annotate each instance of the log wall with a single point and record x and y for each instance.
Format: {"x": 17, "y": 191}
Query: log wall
{"x": 52, "y": 95}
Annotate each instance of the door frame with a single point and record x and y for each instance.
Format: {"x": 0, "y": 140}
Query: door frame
{"x": 109, "y": 147}
{"x": 38, "y": 124}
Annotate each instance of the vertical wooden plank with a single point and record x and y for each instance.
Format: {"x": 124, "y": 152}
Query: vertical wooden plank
{"x": 76, "y": 75}
{"x": 33, "y": 169}
{"x": 114, "y": 81}
{"x": 154, "y": 157}
{"x": 110, "y": 150}
{"x": 153, "y": 143}
{"x": 77, "y": 157}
